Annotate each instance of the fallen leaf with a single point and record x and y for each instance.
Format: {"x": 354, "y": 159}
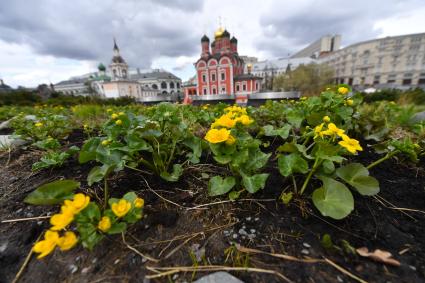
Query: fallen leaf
{"x": 378, "y": 255}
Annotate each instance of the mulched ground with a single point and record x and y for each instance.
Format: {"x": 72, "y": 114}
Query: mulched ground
{"x": 177, "y": 235}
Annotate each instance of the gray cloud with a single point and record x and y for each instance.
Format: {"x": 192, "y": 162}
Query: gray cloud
{"x": 83, "y": 30}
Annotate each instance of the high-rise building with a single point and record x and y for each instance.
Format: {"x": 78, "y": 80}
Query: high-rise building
{"x": 325, "y": 44}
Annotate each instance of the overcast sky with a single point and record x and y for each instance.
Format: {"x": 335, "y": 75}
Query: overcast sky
{"x": 44, "y": 41}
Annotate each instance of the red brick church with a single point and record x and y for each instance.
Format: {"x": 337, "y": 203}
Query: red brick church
{"x": 220, "y": 70}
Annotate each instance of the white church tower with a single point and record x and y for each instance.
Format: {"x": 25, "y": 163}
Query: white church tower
{"x": 118, "y": 66}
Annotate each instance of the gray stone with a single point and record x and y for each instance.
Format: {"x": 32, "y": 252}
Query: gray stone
{"x": 218, "y": 277}
{"x": 7, "y": 141}
{"x": 5, "y": 125}
{"x": 3, "y": 247}
{"x": 305, "y": 251}
{"x": 419, "y": 117}
{"x": 31, "y": 117}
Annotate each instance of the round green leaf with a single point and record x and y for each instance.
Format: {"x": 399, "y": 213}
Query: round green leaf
{"x": 334, "y": 199}
{"x": 218, "y": 186}
{"x": 357, "y": 176}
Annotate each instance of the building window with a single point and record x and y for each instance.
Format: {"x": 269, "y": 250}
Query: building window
{"x": 376, "y": 80}
{"x": 205, "y": 91}
{"x": 244, "y": 87}
{"x": 223, "y": 90}
{"x": 178, "y": 85}
{"x": 163, "y": 85}
{"x": 237, "y": 87}
{"x": 204, "y": 78}
{"x": 214, "y": 91}
{"x": 213, "y": 77}
{"x": 154, "y": 86}
{"x": 407, "y": 81}
{"x": 171, "y": 85}
{"x": 223, "y": 76}
{"x": 256, "y": 86}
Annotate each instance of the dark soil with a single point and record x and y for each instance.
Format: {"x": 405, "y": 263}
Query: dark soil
{"x": 169, "y": 232}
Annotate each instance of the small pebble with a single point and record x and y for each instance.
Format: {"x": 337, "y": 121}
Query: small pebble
{"x": 116, "y": 261}
{"x": 94, "y": 260}
{"x": 412, "y": 267}
{"x": 235, "y": 236}
{"x": 19, "y": 210}
{"x": 339, "y": 278}
{"x": 73, "y": 268}
{"x": 248, "y": 219}
{"x": 29, "y": 214}
{"x": 146, "y": 226}
{"x": 242, "y": 232}
{"x": 306, "y": 245}
{"x": 304, "y": 251}
{"x": 3, "y": 247}
{"x": 256, "y": 219}
{"x": 252, "y": 231}
{"x": 39, "y": 223}
{"x": 85, "y": 270}
{"x": 175, "y": 276}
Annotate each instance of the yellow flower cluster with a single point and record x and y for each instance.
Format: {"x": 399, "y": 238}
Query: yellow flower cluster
{"x": 52, "y": 239}
{"x": 352, "y": 145}
{"x": 220, "y": 135}
{"x": 343, "y": 90}
{"x": 38, "y": 124}
{"x": 59, "y": 222}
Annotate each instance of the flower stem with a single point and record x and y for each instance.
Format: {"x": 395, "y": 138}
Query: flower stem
{"x": 316, "y": 164}
{"x": 106, "y": 193}
{"x": 387, "y": 156}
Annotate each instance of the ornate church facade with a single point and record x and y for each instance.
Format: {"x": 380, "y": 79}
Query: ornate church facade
{"x": 220, "y": 69}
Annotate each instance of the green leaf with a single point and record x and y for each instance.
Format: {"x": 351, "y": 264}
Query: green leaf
{"x": 117, "y": 228}
{"x": 334, "y": 199}
{"x": 90, "y": 214}
{"x": 328, "y": 167}
{"x": 327, "y": 151}
{"x": 357, "y": 176}
{"x": 233, "y": 195}
{"x": 88, "y": 151}
{"x": 283, "y": 132}
{"x": 218, "y": 186}
{"x": 255, "y": 182}
{"x": 97, "y": 174}
{"x": 223, "y": 159}
{"x": 52, "y": 193}
{"x": 292, "y": 163}
{"x": 173, "y": 176}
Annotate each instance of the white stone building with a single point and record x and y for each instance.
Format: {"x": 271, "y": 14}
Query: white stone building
{"x": 390, "y": 62}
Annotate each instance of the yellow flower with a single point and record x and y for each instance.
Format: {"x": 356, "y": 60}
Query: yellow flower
{"x": 303, "y": 98}
{"x": 333, "y": 130}
{"x": 114, "y": 116}
{"x": 343, "y": 90}
{"x": 106, "y": 142}
{"x": 47, "y": 245}
{"x": 79, "y": 203}
{"x": 121, "y": 208}
{"x": 349, "y": 144}
{"x": 61, "y": 220}
{"x": 67, "y": 241}
{"x": 326, "y": 119}
{"x": 38, "y": 124}
{"x": 318, "y": 131}
{"x": 224, "y": 121}
{"x": 104, "y": 224}
{"x": 85, "y": 126}
{"x": 217, "y": 136}
{"x": 244, "y": 119}
{"x": 231, "y": 140}
{"x": 350, "y": 102}
{"x": 139, "y": 203}
{"x": 121, "y": 114}
{"x": 118, "y": 122}
{"x": 205, "y": 106}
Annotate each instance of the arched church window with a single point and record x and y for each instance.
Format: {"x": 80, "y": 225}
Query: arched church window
{"x": 154, "y": 86}
{"x": 163, "y": 85}
{"x": 178, "y": 85}
{"x": 171, "y": 85}
{"x": 124, "y": 73}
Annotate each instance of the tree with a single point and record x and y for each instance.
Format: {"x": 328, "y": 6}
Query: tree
{"x": 310, "y": 79}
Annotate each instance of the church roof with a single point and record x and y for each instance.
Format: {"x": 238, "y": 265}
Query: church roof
{"x": 118, "y": 59}
{"x": 225, "y": 33}
{"x": 159, "y": 75}
{"x": 205, "y": 38}
{"x": 233, "y": 40}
